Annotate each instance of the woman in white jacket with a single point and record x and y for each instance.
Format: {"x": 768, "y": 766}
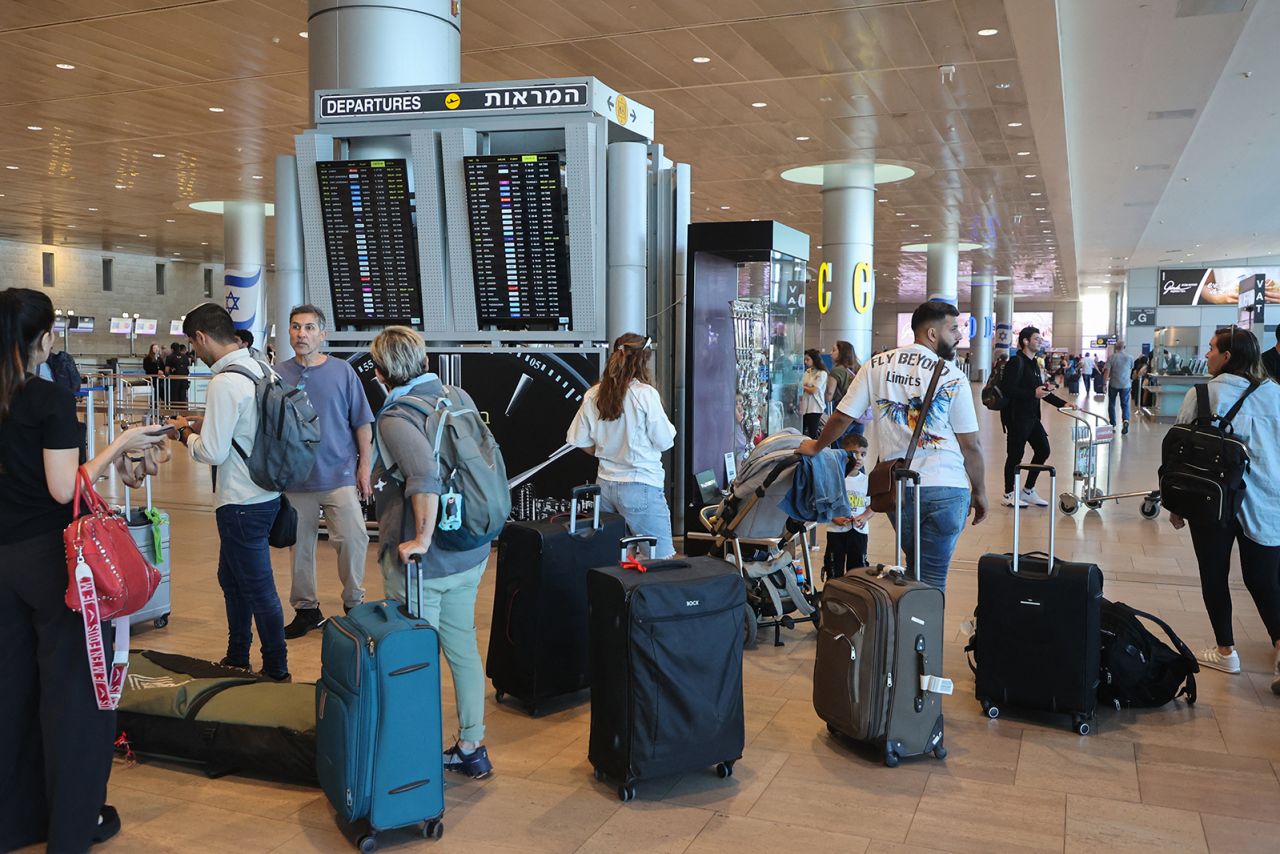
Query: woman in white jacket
{"x": 622, "y": 423}
{"x": 1235, "y": 364}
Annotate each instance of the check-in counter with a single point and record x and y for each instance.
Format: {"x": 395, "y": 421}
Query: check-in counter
{"x": 1168, "y": 391}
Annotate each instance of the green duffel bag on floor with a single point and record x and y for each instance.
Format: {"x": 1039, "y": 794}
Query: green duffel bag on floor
{"x": 226, "y": 719}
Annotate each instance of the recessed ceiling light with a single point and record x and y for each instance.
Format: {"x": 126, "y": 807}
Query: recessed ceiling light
{"x": 826, "y": 99}
{"x": 257, "y": 177}
{"x": 142, "y": 235}
{"x": 988, "y": 31}
{"x": 204, "y": 243}
{"x": 66, "y": 66}
{"x": 1047, "y": 231}
{"x": 759, "y": 104}
{"x": 1004, "y": 85}
{"x": 819, "y": 245}
{"x": 34, "y": 127}
{"x": 1042, "y": 222}
{"x": 70, "y": 226}
{"x": 303, "y": 34}
{"x": 158, "y": 155}
{"x": 1024, "y": 153}
{"x": 913, "y": 225}
{"x": 725, "y": 208}
{"x": 1015, "y": 124}
{"x": 926, "y": 234}
{"x": 93, "y": 209}
{"x": 899, "y": 214}
{"x": 14, "y": 168}
{"x": 1032, "y": 175}
{"x": 170, "y": 220}
{"x": 1037, "y": 194}
{"x": 882, "y": 201}
{"x": 119, "y": 186}
{"x": 216, "y": 110}
{"x": 702, "y": 60}
{"x": 1039, "y": 209}
{"x": 802, "y": 139}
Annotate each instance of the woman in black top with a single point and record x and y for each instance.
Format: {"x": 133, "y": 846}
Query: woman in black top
{"x": 55, "y": 745}
{"x": 153, "y": 366}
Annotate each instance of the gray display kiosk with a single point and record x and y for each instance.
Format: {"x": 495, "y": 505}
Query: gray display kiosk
{"x": 584, "y": 165}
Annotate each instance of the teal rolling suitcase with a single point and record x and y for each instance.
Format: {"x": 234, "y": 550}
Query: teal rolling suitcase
{"x": 378, "y": 733}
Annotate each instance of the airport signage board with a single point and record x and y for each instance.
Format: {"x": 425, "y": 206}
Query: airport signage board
{"x": 412, "y": 103}
{"x": 1142, "y": 316}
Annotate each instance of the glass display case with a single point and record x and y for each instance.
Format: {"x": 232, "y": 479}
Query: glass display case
{"x": 745, "y": 346}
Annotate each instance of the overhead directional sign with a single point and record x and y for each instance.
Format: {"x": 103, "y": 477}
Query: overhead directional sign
{"x": 422, "y": 102}
{"x": 1142, "y": 316}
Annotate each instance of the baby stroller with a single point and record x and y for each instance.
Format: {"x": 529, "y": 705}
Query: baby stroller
{"x": 768, "y": 548}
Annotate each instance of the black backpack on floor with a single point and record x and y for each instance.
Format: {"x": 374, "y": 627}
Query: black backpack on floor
{"x": 1138, "y": 669}
{"x": 1203, "y": 464}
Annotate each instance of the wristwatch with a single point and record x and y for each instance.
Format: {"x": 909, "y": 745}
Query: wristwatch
{"x": 184, "y": 433}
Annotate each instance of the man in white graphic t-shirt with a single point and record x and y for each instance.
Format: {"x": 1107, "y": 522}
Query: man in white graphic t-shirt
{"x": 949, "y": 454}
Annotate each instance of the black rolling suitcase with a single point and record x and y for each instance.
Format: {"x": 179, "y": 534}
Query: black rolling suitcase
{"x": 1039, "y": 637}
{"x": 538, "y": 645}
{"x": 666, "y": 668}
{"x": 877, "y": 673}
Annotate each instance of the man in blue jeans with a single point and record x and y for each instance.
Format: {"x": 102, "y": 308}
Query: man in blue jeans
{"x": 245, "y": 511}
{"x": 1119, "y": 380}
{"x": 948, "y": 455}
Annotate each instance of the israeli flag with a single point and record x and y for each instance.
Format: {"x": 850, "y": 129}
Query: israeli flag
{"x": 244, "y": 293}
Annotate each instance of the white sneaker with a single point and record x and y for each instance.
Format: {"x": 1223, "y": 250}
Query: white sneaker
{"x": 1008, "y": 501}
{"x": 1275, "y": 675}
{"x": 1226, "y": 663}
{"x": 1033, "y": 497}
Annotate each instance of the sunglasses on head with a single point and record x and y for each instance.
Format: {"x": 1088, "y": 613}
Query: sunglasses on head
{"x": 647, "y": 345}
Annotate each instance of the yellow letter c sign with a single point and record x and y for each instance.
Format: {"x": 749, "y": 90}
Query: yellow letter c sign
{"x": 862, "y": 287}
{"x": 824, "y": 276}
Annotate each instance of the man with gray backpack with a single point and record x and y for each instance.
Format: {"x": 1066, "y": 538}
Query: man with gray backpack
{"x": 261, "y": 438}
{"x": 442, "y": 495}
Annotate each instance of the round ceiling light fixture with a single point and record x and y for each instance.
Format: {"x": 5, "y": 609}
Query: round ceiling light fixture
{"x": 702, "y": 60}
{"x": 988, "y": 31}
{"x": 886, "y": 172}
{"x": 1015, "y": 124}
{"x": 217, "y": 207}
{"x": 1024, "y": 153}
{"x": 304, "y": 34}
{"x": 34, "y": 127}
{"x": 759, "y": 104}
{"x": 66, "y": 66}
{"x": 216, "y": 110}
{"x": 962, "y": 246}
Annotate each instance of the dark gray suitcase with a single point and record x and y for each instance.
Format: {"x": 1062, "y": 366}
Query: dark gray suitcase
{"x": 877, "y": 674}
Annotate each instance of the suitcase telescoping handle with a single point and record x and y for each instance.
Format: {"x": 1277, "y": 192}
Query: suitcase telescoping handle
{"x": 1053, "y": 510}
{"x": 581, "y": 492}
{"x": 413, "y": 587}
{"x": 627, "y": 544}
{"x": 900, "y": 477}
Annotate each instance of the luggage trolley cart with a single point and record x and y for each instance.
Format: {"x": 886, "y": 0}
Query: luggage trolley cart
{"x": 1089, "y": 432}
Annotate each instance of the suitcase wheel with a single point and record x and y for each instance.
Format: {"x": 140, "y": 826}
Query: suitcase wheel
{"x": 940, "y": 752}
{"x": 724, "y": 770}
{"x": 499, "y": 696}
{"x": 432, "y": 829}
{"x": 1082, "y": 726}
{"x": 367, "y": 844}
{"x": 627, "y": 792}
{"x": 992, "y": 711}
{"x": 160, "y": 622}
{"x": 599, "y": 775}
{"x": 891, "y": 759}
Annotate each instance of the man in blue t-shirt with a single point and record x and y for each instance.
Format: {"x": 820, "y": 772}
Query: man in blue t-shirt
{"x": 340, "y": 478}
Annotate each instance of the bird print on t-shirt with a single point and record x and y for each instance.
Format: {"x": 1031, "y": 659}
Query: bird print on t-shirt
{"x": 906, "y": 414}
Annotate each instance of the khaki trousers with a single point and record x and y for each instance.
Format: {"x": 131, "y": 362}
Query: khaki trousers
{"x": 344, "y": 518}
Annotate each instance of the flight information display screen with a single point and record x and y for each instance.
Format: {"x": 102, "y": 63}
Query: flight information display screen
{"x": 519, "y": 240}
{"x": 369, "y": 242}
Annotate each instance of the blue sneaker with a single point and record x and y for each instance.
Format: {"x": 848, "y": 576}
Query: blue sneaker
{"x": 475, "y": 764}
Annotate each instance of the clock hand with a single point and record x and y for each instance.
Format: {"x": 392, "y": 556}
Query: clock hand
{"x": 525, "y": 475}
{"x": 521, "y": 385}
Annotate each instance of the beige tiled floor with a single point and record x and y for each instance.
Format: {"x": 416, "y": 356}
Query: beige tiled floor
{"x": 1176, "y": 779}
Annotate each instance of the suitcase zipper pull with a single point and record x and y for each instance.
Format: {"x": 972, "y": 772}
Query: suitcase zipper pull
{"x": 371, "y": 646}
{"x": 349, "y": 799}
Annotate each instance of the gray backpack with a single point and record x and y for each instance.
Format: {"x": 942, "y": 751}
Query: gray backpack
{"x": 476, "y": 500}
{"x": 284, "y": 446}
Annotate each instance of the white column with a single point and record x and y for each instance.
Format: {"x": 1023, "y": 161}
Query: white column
{"x": 245, "y": 256}
{"x": 943, "y": 271}
{"x": 981, "y": 305}
{"x": 626, "y": 239}
{"x": 288, "y": 282}
{"x": 848, "y": 240}
{"x": 1004, "y": 318}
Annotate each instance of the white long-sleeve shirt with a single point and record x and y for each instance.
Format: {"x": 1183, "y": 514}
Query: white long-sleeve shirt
{"x": 230, "y": 415}
{"x": 629, "y": 448}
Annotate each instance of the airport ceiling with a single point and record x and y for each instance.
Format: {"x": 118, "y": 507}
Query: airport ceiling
{"x": 172, "y": 101}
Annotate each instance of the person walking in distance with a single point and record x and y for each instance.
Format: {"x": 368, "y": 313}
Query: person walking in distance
{"x": 340, "y": 478}
{"x": 1024, "y": 386}
{"x": 1118, "y": 379}
{"x": 245, "y": 511}
{"x": 1088, "y": 364}
{"x": 949, "y": 454}
{"x": 1235, "y": 364}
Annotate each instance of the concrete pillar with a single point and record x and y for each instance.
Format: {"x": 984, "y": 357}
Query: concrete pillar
{"x": 288, "y": 282}
{"x": 981, "y": 307}
{"x": 1004, "y": 337}
{"x": 943, "y": 271}
{"x": 245, "y": 256}
{"x": 626, "y": 238}
{"x": 848, "y": 241}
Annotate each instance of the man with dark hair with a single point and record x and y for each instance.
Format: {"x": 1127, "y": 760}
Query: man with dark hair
{"x": 949, "y": 452}
{"x": 1271, "y": 359}
{"x": 245, "y": 337}
{"x": 245, "y": 511}
{"x": 1024, "y": 386}
{"x": 341, "y": 474}
{"x": 176, "y": 365}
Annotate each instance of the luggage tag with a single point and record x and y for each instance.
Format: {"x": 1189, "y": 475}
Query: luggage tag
{"x": 450, "y": 511}
{"x": 936, "y": 685}
{"x": 157, "y": 520}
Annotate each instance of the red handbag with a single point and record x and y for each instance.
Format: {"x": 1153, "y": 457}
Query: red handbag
{"x": 109, "y": 579}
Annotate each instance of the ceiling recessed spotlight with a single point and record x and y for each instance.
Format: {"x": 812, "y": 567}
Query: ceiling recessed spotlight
{"x": 93, "y": 209}
{"x": 170, "y": 220}
{"x": 70, "y": 226}
{"x": 882, "y": 201}
{"x": 14, "y": 168}
{"x": 66, "y": 66}
{"x": 988, "y": 31}
{"x": 142, "y": 235}
{"x": 802, "y": 139}
{"x": 826, "y": 99}
{"x": 725, "y": 208}
{"x": 257, "y": 177}
{"x": 177, "y": 253}
{"x": 1032, "y": 175}
{"x": 702, "y": 60}
{"x": 1024, "y": 153}
{"x": 34, "y": 127}
{"x": 1042, "y": 222}
{"x": 899, "y": 214}
{"x": 1037, "y": 194}
{"x": 1015, "y": 124}
{"x": 204, "y": 243}
{"x": 158, "y": 155}
{"x": 926, "y": 234}
{"x": 913, "y": 225}
{"x": 1004, "y": 85}
{"x": 120, "y": 186}
{"x": 1047, "y": 231}
{"x": 759, "y": 104}
{"x": 216, "y": 110}
{"x": 1039, "y": 209}
{"x": 303, "y": 34}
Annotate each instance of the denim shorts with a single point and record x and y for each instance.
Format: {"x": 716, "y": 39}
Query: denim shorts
{"x": 645, "y": 510}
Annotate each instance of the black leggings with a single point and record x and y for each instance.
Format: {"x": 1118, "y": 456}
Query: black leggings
{"x": 1260, "y": 566}
{"x": 1016, "y": 440}
{"x": 812, "y": 425}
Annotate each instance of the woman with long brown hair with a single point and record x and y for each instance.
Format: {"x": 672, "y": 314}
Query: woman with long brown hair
{"x": 844, "y": 367}
{"x": 55, "y": 745}
{"x": 622, "y": 423}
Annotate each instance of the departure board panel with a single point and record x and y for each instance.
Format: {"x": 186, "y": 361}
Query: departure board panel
{"x": 519, "y": 241}
{"x": 369, "y": 242}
